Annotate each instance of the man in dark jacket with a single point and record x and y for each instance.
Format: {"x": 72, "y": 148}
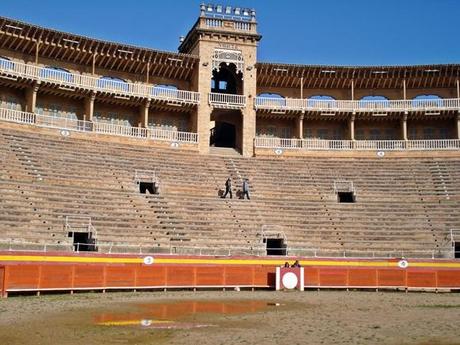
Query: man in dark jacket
{"x": 246, "y": 188}
{"x": 228, "y": 188}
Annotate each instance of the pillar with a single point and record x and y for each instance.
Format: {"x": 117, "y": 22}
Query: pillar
{"x": 93, "y": 65}
{"x": 404, "y": 127}
{"x": 201, "y": 120}
{"x": 458, "y": 126}
{"x": 249, "y": 131}
{"x": 299, "y": 126}
{"x": 37, "y": 49}
{"x": 147, "y": 73}
{"x": 89, "y": 107}
{"x": 31, "y": 98}
{"x": 144, "y": 114}
{"x": 458, "y": 88}
{"x": 404, "y": 90}
{"x": 352, "y": 90}
{"x": 351, "y": 127}
{"x": 301, "y": 87}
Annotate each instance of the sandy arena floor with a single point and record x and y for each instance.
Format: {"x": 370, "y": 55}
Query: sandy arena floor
{"x": 326, "y": 317}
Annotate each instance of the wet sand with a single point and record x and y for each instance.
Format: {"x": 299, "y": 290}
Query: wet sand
{"x": 311, "y": 317}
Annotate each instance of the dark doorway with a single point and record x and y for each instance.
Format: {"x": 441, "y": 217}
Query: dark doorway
{"x": 223, "y": 135}
{"x": 275, "y": 246}
{"x": 346, "y": 197}
{"x": 456, "y": 246}
{"x": 83, "y": 242}
{"x": 145, "y": 187}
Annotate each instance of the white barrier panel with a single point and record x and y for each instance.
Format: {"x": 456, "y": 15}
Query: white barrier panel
{"x": 289, "y": 278}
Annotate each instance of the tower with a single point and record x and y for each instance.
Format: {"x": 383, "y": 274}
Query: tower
{"x": 225, "y": 39}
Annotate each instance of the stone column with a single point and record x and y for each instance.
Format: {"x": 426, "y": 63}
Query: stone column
{"x": 299, "y": 126}
{"x": 404, "y": 127}
{"x": 201, "y": 120}
{"x": 31, "y": 98}
{"x": 89, "y": 107}
{"x": 249, "y": 131}
{"x": 458, "y": 126}
{"x": 144, "y": 114}
{"x": 351, "y": 127}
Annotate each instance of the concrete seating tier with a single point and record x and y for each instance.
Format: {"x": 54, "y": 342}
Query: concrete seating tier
{"x": 404, "y": 204}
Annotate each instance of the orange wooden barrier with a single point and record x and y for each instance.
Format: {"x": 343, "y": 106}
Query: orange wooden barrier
{"x": 2, "y": 281}
{"x": 32, "y": 272}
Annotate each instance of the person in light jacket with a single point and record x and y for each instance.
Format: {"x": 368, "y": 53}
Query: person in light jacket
{"x": 246, "y": 188}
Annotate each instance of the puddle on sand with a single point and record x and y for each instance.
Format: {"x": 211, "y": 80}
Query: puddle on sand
{"x": 172, "y": 315}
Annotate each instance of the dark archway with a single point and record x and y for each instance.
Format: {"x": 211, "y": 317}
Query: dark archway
{"x": 223, "y": 135}
{"x": 226, "y": 80}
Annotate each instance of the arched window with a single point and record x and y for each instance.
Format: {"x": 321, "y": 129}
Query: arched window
{"x": 427, "y": 101}
{"x": 112, "y": 83}
{"x": 56, "y": 73}
{"x": 374, "y": 102}
{"x": 322, "y": 101}
{"x": 165, "y": 90}
{"x": 6, "y": 63}
{"x": 270, "y": 99}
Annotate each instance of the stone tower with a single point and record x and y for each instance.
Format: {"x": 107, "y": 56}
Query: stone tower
{"x": 225, "y": 38}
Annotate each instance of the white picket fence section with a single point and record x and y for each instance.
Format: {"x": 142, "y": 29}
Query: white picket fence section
{"x": 342, "y": 145}
{"x": 294, "y": 104}
{"x": 96, "y": 127}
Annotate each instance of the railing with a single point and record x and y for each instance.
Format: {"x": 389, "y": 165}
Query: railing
{"x": 119, "y": 248}
{"x": 343, "y": 186}
{"x": 96, "y": 127}
{"x": 227, "y": 101}
{"x": 293, "y": 104}
{"x": 282, "y": 104}
{"x": 244, "y": 26}
{"x": 79, "y": 224}
{"x": 142, "y": 175}
{"x": 455, "y": 241}
{"x": 214, "y": 23}
{"x": 378, "y": 145}
{"x": 384, "y": 145}
{"x": 12, "y": 69}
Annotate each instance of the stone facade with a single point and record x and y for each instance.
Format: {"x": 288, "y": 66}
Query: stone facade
{"x": 236, "y": 36}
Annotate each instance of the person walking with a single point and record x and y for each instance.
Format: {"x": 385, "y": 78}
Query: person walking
{"x": 228, "y": 188}
{"x": 246, "y": 188}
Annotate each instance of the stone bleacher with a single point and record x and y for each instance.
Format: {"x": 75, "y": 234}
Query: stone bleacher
{"x": 404, "y": 205}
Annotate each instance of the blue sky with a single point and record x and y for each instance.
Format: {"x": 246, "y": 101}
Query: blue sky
{"x": 336, "y": 32}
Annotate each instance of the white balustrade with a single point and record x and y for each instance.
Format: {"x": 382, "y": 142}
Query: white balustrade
{"x": 14, "y": 69}
{"x": 292, "y": 104}
{"x": 342, "y": 145}
{"x": 16, "y": 116}
{"x": 97, "y": 127}
{"x": 435, "y": 144}
{"x": 214, "y": 23}
{"x": 227, "y": 101}
{"x": 244, "y": 26}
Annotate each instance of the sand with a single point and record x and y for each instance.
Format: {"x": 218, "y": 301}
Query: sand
{"x": 310, "y": 317}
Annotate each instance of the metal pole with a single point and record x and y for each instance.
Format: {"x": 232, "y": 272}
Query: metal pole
{"x": 352, "y": 90}
{"x": 404, "y": 90}
{"x": 93, "y": 69}
{"x": 458, "y": 88}
{"x": 301, "y": 87}
{"x": 148, "y": 72}
{"x": 37, "y": 48}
